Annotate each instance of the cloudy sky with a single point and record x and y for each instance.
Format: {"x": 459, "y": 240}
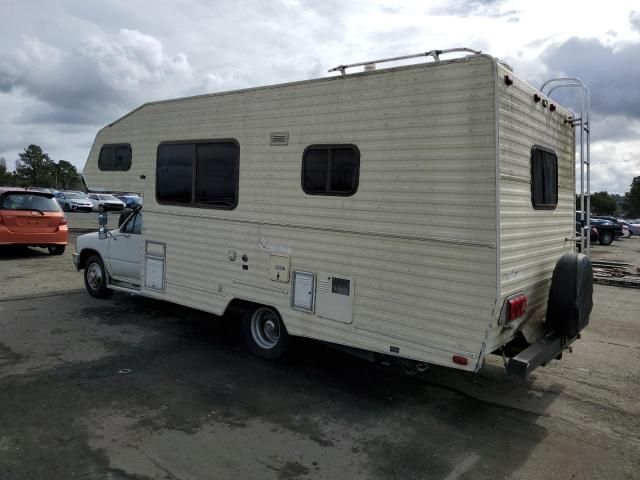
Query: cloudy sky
{"x": 68, "y": 67}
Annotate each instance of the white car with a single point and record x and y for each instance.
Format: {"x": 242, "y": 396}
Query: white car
{"x": 74, "y": 201}
{"x": 111, "y": 262}
{"x": 103, "y": 202}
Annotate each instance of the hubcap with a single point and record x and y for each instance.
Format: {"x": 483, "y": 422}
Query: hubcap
{"x": 94, "y": 276}
{"x": 265, "y": 328}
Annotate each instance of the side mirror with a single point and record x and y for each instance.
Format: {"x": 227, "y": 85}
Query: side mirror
{"x": 102, "y": 219}
{"x": 102, "y": 232}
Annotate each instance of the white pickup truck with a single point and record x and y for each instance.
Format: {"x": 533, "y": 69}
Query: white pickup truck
{"x": 111, "y": 259}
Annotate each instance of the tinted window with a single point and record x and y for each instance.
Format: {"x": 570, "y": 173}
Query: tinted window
{"x": 203, "y": 174}
{"x": 115, "y": 158}
{"x": 216, "y": 171}
{"x": 315, "y": 168}
{"x": 174, "y": 173}
{"x": 133, "y": 225}
{"x": 544, "y": 178}
{"x": 137, "y": 227}
{"x": 20, "y": 201}
{"x": 331, "y": 169}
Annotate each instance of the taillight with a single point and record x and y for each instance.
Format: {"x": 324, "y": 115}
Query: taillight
{"x": 63, "y": 221}
{"x": 1, "y": 220}
{"x": 517, "y": 307}
{"x": 460, "y": 360}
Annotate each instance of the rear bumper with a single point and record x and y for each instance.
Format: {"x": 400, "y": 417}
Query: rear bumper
{"x": 60, "y": 237}
{"x": 539, "y": 353}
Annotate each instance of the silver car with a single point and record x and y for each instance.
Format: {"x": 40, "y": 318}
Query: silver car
{"x": 104, "y": 202}
{"x": 74, "y": 201}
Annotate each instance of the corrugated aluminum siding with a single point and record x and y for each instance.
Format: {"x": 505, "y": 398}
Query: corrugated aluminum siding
{"x": 418, "y": 237}
{"x": 531, "y": 241}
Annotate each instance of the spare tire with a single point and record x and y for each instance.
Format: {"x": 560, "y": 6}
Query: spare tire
{"x": 571, "y": 295}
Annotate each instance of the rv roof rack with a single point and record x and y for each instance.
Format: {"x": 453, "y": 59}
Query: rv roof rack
{"x": 431, "y": 53}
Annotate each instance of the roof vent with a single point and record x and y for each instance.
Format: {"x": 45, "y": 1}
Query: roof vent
{"x": 279, "y": 138}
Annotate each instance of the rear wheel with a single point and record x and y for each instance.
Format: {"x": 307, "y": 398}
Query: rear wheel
{"x": 265, "y": 333}
{"x": 606, "y": 238}
{"x": 56, "y": 249}
{"x": 66, "y": 207}
{"x": 101, "y": 208}
{"x": 95, "y": 277}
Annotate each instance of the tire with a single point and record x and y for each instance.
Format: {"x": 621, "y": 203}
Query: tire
{"x": 56, "y": 249}
{"x": 66, "y": 207}
{"x": 95, "y": 277}
{"x": 101, "y": 208}
{"x": 605, "y": 238}
{"x": 570, "y": 296}
{"x": 265, "y": 333}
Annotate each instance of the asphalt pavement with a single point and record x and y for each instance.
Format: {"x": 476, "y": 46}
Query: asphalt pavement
{"x": 133, "y": 388}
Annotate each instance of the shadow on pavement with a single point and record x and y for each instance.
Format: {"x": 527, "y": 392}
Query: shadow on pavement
{"x": 16, "y": 252}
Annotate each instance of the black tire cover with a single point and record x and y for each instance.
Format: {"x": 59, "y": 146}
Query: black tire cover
{"x": 570, "y": 295}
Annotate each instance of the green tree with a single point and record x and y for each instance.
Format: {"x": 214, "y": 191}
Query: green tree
{"x": 67, "y": 177}
{"x": 603, "y": 204}
{"x": 6, "y": 178}
{"x": 632, "y": 199}
{"x": 35, "y": 168}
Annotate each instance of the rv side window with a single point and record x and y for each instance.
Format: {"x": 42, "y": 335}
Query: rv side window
{"x": 200, "y": 174}
{"x": 330, "y": 170}
{"x": 115, "y": 158}
{"x": 544, "y": 178}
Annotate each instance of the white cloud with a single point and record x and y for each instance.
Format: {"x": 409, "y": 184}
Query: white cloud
{"x": 68, "y": 68}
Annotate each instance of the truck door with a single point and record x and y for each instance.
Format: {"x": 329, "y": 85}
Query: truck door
{"x": 125, "y": 250}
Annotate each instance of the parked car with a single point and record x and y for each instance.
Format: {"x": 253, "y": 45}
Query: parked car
{"x": 607, "y": 230}
{"x": 103, "y": 202}
{"x": 42, "y": 189}
{"x": 593, "y": 235}
{"x": 632, "y": 225}
{"x": 74, "y": 201}
{"x": 32, "y": 218}
{"x": 594, "y": 232}
{"x": 131, "y": 200}
{"x": 605, "y": 217}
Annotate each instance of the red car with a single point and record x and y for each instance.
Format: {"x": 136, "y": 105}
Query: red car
{"x": 32, "y": 218}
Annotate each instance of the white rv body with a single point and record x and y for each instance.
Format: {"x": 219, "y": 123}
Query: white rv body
{"x": 440, "y": 231}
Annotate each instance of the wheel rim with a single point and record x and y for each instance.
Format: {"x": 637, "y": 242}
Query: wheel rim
{"x": 265, "y": 328}
{"x": 94, "y": 276}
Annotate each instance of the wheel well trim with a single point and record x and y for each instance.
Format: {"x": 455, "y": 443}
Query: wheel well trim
{"x": 84, "y": 256}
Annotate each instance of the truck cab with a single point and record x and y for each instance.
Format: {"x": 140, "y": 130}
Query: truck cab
{"x": 111, "y": 259}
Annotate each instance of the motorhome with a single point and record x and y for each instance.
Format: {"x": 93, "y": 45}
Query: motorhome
{"x": 423, "y": 212}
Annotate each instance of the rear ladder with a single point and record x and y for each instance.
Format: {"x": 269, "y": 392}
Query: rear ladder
{"x": 585, "y": 152}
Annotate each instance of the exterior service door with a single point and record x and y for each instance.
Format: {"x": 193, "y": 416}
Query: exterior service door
{"x": 125, "y": 250}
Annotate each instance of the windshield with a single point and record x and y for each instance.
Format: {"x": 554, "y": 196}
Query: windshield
{"x": 107, "y": 197}
{"x": 25, "y": 201}
{"x": 76, "y": 195}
